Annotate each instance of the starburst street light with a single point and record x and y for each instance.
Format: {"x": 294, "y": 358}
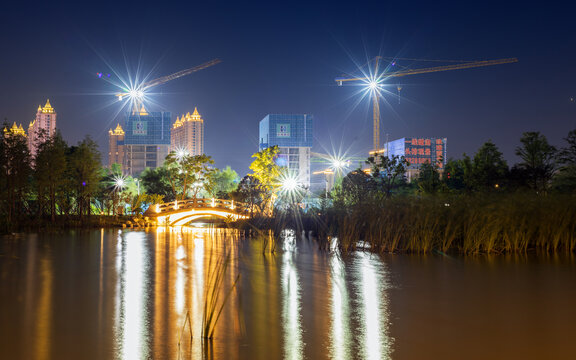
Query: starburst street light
{"x": 181, "y": 153}
{"x": 119, "y": 182}
{"x": 291, "y": 189}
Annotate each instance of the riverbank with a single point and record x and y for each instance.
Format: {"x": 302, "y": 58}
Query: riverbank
{"x": 66, "y": 222}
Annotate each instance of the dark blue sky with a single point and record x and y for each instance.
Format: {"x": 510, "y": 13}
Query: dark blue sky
{"x": 282, "y": 57}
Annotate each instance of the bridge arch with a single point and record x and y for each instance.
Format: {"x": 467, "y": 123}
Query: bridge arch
{"x": 179, "y": 213}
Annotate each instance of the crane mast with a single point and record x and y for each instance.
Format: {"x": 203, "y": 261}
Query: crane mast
{"x": 376, "y": 78}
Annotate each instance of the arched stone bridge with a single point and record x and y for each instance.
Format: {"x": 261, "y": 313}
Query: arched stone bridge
{"x": 181, "y": 212}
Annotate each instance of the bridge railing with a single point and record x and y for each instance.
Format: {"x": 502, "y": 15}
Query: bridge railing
{"x": 235, "y": 206}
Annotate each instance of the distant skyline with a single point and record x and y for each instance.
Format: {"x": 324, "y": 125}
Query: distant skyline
{"x": 284, "y": 58}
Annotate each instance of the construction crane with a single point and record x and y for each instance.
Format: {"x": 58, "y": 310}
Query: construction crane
{"x": 376, "y": 78}
{"x": 137, "y": 93}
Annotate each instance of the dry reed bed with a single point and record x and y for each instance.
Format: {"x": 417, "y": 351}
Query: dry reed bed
{"x": 503, "y": 224}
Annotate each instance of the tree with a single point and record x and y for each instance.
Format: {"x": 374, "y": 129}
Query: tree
{"x": 157, "y": 182}
{"x": 388, "y": 172}
{"x": 50, "y": 170}
{"x": 566, "y": 159}
{"x": 538, "y": 160}
{"x": 84, "y": 174}
{"x": 16, "y": 169}
{"x": 488, "y": 169}
{"x": 250, "y": 192}
{"x": 453, "y": 177}
{"x": 267, "y": 173}
{"x": 188, "y": 174}
{"x": 357, "y": 188}
{"x": 225, "y": 181}
{"x": 429, "y": 178}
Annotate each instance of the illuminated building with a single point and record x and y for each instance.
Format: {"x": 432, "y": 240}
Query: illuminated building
{"x": 116, "y": 146}
{"x": 292, "y": 133}
{"x": 417, "y": 151}
{"x": 14, "y": 130}
{"x": 143, "y": 143}
{"x": 45, "y": 120}
{"x": 188, "y": 133}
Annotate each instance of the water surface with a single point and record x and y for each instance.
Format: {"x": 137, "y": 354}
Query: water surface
{"x": 142, "y": 295}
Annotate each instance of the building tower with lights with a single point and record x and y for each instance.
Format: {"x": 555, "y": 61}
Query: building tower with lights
{"x": 45, "y": 121}
{"x": 292, "y": 133}
{"x": 116, "y": 146}
{"x": 146, "y": 140}
{"x": 188, "y": 134}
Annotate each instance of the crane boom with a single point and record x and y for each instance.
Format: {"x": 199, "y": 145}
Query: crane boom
{"x": 179, "y": 74}
{"x": 467, "y": 65}
{"x": 376, "y": 78}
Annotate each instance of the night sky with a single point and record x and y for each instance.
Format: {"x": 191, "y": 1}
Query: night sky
{"x": 282, "y": 57}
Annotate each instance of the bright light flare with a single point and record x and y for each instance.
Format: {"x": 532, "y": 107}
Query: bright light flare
{"x": 289, "y": 184}
{"x": 339, "y": 164}
{"x": 290, "y": 187}
{"x": 119, "y": 183}
{"x": 181, "y": 153}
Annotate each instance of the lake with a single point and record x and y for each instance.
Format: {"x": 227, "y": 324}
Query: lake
{"x": 127, "y": 294}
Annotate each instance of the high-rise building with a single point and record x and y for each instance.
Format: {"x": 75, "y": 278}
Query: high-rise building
{"x": 45, "y": 120}
{"x": 15, "y": 130}
{"x": 143, "y": 143}
{"x": 116, "y": 146}
{"x": 188, "y": 133}
{"x": 292, "y": 133}
{"x": 417, "y": 151}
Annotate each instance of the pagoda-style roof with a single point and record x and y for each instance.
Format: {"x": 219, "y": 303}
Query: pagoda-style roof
{"x": 47, "y": 109}
{"x": 117, "y": 131}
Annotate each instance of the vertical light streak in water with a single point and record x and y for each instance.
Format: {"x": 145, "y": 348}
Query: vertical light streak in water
{"x": 133, "y": 326}
{"x": 101, "y": 282}
{"x": 197, "y": 288}
{"x": 375, "y": 313}
{"x": 44, "y": 320}
{"x": 180, "y": 278}
{"x": 293, "y": 347}
{"x": 340, "y": 336}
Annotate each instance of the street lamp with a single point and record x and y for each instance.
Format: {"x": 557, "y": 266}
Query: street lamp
{"x": 137, "y": 181}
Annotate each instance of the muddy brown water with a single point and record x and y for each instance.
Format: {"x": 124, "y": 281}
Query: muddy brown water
{"x": 111, "y": 294}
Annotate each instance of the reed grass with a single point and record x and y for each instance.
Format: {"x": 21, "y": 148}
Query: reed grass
{"x": 213, "y": 303}
{"x": 512, "y": 223}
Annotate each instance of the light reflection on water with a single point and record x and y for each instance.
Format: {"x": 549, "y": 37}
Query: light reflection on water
{"x": 125, "y": 295}
{"x": 340, "y": 336}
{"x": 291, "y": 321}
{"x": 131, "y": 325}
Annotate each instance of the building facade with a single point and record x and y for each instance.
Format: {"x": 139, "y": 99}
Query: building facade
{"x": 188, "y": 134}
{"x": 116, "y": 146}
{"x": 144, "y": 142}
{"x": 45, "y": 120}
{"x": 293, "y": 135}
{"x": 417, "y": 151}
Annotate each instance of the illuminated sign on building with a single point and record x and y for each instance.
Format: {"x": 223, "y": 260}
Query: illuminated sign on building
{"x": 140, "y": 128}
{"x": 283, "y": 130}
